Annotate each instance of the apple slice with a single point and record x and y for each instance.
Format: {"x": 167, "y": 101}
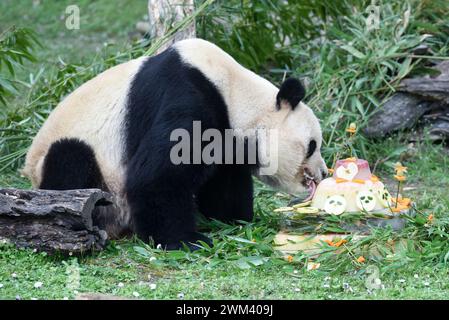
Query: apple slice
{"x": 365, "y": 200}
{"x": 335, "y": 205}
{"x": 302, "y": 204}
{"x": 384, "y": 197}
{"x": 308, "y": 210}
{"x": 348, "y": 172}
{"x": 283, "y": 209}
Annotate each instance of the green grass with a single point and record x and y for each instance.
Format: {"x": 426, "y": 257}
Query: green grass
{"x": 101, "y": 22}
{"x": 344, "y": 86}
{"x": 105, "y": 272}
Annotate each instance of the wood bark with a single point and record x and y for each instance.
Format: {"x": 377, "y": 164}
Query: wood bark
{"x": 52, "y": 221}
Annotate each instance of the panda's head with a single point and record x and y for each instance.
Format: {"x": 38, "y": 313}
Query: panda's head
{"x": 299, "y": 163}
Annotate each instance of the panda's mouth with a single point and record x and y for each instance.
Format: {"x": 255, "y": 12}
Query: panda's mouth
{"x": 310, "y": 184}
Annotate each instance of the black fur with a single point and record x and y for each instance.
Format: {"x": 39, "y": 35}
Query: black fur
{"x": 165, "y": 95}
{"x": 228, "y": 195}
{"x": 71, "y": 164}
{"x": 311, "y": 148}
{"x": 291, "y": 91}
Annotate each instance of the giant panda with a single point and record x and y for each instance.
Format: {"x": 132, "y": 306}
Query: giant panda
{"x": 113, "y": 133}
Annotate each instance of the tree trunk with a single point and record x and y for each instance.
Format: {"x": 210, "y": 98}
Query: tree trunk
{"x": 163, "y": 14}
{"x": 52, "y": 221}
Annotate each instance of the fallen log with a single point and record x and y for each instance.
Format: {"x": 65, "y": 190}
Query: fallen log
{"x": 401, "y": 111}
{"x": 430, "y": 88}
{"x": 52, "y": 221}
{"x": 416, "y": 97}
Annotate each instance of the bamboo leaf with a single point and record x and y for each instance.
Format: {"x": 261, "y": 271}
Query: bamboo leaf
{"x": 356, "y": 53}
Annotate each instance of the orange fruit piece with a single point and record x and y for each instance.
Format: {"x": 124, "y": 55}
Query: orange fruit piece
{"x": 361, "y": 259}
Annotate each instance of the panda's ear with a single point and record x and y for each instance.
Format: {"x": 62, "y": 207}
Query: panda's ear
{"x": 291, "y": 92}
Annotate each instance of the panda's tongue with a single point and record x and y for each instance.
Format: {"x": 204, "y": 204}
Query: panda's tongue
{"x": 311, "y": 188}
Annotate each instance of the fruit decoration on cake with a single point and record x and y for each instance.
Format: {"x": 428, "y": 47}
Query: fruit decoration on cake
{"x": 352, "y": 188}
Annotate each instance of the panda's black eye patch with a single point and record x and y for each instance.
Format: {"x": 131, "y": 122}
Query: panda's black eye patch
{"x": 311, "y": 149}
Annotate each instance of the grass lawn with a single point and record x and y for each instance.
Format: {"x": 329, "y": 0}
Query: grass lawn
{"x": 243, "y": 263}
{"x": 101, "y": 22}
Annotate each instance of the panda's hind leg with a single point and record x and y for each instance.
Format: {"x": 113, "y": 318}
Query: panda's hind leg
{"x": 70, "y": 164}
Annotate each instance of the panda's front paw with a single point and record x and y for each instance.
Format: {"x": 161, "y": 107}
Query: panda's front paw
{"x": 190, "y": 240}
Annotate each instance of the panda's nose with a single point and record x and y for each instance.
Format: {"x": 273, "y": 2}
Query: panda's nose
{"x": 323, "y": 174}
